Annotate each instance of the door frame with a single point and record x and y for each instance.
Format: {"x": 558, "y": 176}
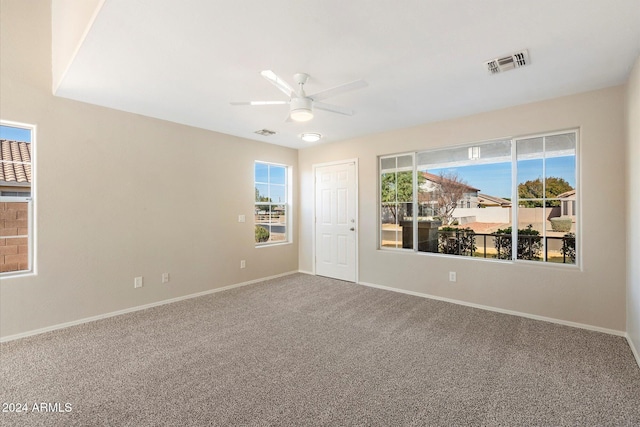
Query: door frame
{"x": 315, "y": 167}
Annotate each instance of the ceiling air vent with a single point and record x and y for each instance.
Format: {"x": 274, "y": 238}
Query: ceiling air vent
{"x": 506, "y": 63}
{"x": 265, "y": 132}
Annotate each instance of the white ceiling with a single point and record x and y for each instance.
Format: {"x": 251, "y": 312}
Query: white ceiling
{"x": 185, "y": 61}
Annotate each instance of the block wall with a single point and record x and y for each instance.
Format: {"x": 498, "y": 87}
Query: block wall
{"x": 14, "y": 243}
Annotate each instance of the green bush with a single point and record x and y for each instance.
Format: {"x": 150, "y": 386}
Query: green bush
{"x": 529, "y": 243}
{"x": 262, "y": 234}
{"x": 569, "y": 247}
{"x": 456, "y": 241}
{"x": 562, "y": 224}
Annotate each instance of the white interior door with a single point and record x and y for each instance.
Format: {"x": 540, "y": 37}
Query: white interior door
{"x": 336, "y": 221}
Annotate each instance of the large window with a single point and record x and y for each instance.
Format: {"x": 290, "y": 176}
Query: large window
{"x": 271, "y": 203}
{"x": 464, "y": 200}
{"x": 16, "y": 202}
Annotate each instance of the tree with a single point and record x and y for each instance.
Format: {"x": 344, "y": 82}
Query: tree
{"x": 397, "y": 188}
{"x": 448, "y": 190}
{"x": 260, "y": 198}
{"x": 569, "y": 247}
{"x": 533, "y": 190}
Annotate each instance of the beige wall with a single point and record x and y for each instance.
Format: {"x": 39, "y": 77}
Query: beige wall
{"x": 594, "y": 296}
{"x": 120, "y": 195}
{"x": 137, "y": 177}
{"x": 633, "y": 208}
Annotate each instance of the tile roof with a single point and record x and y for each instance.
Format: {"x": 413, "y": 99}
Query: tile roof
{"x": 567, "y": 194}
{"x": 438, "y": 179}
{"x": 484, "y": 198}
{"x": 15, "y": 161}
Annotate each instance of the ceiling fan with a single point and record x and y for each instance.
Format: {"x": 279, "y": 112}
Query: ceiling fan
{"x": 301, "y": 105}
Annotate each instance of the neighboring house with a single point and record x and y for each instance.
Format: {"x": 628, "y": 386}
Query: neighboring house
{"x": 434, "y": 184}
{"x": 15, "y": 168}
{"x": 568, "y": 204}
{"x": 486, "y": 201}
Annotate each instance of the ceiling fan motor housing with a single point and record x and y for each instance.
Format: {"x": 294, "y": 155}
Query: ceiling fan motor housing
{"x": 301, "y": 109}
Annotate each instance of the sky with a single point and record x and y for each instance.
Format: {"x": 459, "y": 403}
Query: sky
{"x": 15, "y": 134}
{"x": 495, "y": 179}
{"x": 270, "y": 181}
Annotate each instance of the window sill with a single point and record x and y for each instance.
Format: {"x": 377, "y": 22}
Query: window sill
{"x": 16, "y": 274}
{"x": 270, "y": 245}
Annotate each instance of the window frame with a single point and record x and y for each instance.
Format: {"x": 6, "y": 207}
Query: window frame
{"x": 396, "y": 170}
{"x": 31, "y": 204}
{"x": 577, "y": 203}
{"x": 287, "y": 204}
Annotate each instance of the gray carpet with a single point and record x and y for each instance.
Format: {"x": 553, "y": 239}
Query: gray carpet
{"x": 304, "y": 350}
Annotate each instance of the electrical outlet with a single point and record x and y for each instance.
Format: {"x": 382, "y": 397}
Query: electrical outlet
{"x": 165, "y": 277}
{"x": 137, "y": 282}
{"x": 241, "y": 218}
{"x": 243, "y": 264}
{"x": 452, "y": 276}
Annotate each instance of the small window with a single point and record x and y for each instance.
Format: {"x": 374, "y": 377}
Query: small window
{"x": 16, "y": 202}
{"x": 271, "y": 203}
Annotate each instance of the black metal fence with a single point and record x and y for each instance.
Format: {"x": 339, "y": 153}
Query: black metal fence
{"x": 499, "y": 246}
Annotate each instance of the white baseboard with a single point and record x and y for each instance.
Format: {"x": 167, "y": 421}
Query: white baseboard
{"x": 136, "y": 308}
{"x": 634, "y": 350}
{"x": 500, "y": 310}
{"x": 310, "y": 273}
{"x": 372, "y": 285}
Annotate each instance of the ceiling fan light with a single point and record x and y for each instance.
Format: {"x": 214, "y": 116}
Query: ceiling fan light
{"x": 301, "y": 115}
{"x": 311, "y": 137}
{"x": 301, "y": 109}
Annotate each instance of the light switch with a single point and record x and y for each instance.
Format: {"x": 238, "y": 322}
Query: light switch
{"x": 241, "y": 218}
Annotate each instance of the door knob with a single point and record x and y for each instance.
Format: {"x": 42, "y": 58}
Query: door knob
{"x": 352, "y": 229}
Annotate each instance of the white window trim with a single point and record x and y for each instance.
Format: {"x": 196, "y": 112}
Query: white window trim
{"x": 32, "y": 213}
{"x": 289, "y": 192}
{"x": 514, "y": 197}
{"x": 412, "y": 169}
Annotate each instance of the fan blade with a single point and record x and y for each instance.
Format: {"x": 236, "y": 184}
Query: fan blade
{"x": 260, "y": 103}
{"x": 278, "y": 82}
{"x": 323, "y": 94}
{"x": 333, "y": 108}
